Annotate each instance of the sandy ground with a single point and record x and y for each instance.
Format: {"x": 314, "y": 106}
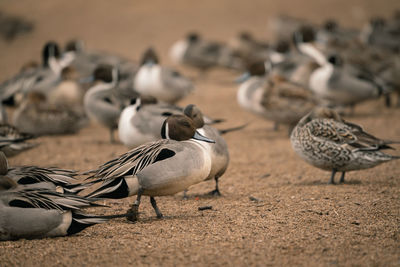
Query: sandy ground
{"x": 297, "y": 220}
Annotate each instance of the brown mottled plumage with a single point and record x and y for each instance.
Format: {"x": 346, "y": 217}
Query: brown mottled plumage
{"x": 326, "y": 141}
{"x": 285, "y": 102}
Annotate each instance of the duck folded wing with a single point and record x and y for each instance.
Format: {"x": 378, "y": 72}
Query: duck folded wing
{"x": 294, "y": 92}
{"x": 347, "y": 134}
{"x": 33, "y": 174}
{"x": 44, "y": 199}
{"x": 366, "y": 141}
{"x": 134, "y": 161}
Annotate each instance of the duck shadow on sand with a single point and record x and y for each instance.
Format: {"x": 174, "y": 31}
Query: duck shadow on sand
{"x": 326, "y": 182}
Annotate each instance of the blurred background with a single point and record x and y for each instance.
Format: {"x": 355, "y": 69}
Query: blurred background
{"x": 128, "y": 27}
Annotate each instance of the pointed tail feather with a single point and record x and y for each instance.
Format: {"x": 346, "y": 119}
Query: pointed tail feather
{"x": 210, "y": 121}
{"x": 81, "y": 221}
{"x": 225, "y": 131}
{"x": 77, "y": 188}
{"x": 115, "y": 189}
{"x": 89, "y": 172}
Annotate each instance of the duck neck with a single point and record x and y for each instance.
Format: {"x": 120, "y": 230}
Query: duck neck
{"x": 311, "y": 51}
{"x": 67, "y": 59}
{"x": 55, "y": 65}
{"x": 101, "y": 90}
{"x": 178, "y": 51}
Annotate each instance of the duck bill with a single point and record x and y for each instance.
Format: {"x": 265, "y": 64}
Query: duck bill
{"x": 242, "y": 78}
{"x": 201, "y": 137}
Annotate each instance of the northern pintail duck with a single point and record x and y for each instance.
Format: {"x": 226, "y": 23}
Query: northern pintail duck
{"x": 304, "y": 39}
{"x": 41, "y": 78}
{"x": 331, "y": 33}
{"x": 56, "y": 179}
{"x": 289, "y": 63}
{"x": 323, "y": 139}
{"x": 340, "y": 83}
{"x": 139, "y": 124}
{"x": 99, "y": 103}
{"x": 37, "y": 212}
{"x": 251, "y": 89}
{"x": 86, "y": 61}
{"x": 202, "y": 54}
{"x": 219, "y": 149}
{"x": 390, "y": 74}
{"x": 285, "y": 102}
{"x": 13, "y": 142}
{"x": 339, "y": 86}
{"x": 273, "y": 97}
{"x": 248, "y": 48}
{"x": 378, "y": 33}
{"x": 141, "y": 121}
{"x": 36, "y": 116}
{"x": 160, "y": 168}
{"x": 283, "y": 26}
{"x": 163, "y": 83}
{"x": 69, "y": 92}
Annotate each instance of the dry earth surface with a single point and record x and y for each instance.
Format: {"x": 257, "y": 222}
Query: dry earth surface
{"x": 298, "y": 219}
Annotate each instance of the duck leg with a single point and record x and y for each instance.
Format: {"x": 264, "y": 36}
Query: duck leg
{"x": 276, "y": 126}
{"x": 398, "y": 99}
{"x": 185, "y": 196}
{"x": 388, "y": 100}
{"x": 112, "y": 139}
{"x": 332, "y": 180}
{"x": 156, "y": 209}
{"x": 134, "y": 210}
{"x": 342, "y": 177}
{"x": 215, "y": 192}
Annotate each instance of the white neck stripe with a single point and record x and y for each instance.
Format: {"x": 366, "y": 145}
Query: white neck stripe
{"x": 167, "y": 131}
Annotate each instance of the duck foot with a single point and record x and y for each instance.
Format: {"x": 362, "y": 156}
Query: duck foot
{"x": 275, "y": 127}
{"x": 332, "y": 180}
{"x": 342, "y": 178}
{"x": 185, "y": 196}
{"x": 215, "y": 193}
{"x": 133, "y": 213}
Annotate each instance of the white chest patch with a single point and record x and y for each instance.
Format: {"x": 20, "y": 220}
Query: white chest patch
{"x": 178, "y": 51}
{"x": 148, "y": 80}
{"x": 126, "y": 131}
{"x": 319, "y": 80}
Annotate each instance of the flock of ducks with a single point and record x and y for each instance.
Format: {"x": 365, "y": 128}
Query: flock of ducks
{"x": 307, "y": 80}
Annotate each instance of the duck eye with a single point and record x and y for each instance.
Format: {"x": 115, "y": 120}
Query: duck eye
{"x": 186, "y": 124}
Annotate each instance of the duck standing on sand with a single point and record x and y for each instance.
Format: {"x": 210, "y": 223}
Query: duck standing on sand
{"x": 165, "y": 167}
{"x": 165, "y": 84}
{"x": 273, "y": 97}
{"x": 219, "y": 149}
{"x": 323, "y": 139}
{"x": 99, "y": 103}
